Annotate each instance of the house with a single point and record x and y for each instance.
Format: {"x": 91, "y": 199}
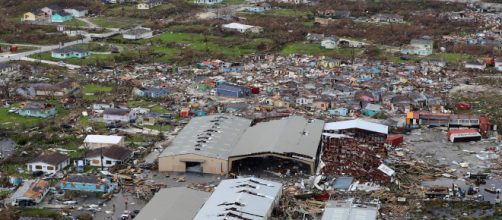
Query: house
{"x": 150, "y": 92}
{"x": 333, "y": 13}
{"x": 323, "y": 21}
{"x": 50, "y": 10}
{"x": 475, "y": 65}
{"x": 84, "y": 183}
{"x": 138, "y": 33}
{"x": 147, "y": 4}
{"x": 45, "y": 89}
{"x": 116, "y": 114}
{"x": 29, "y": 16}
{"x": 329, "y": 43}
{"x": 100, "y": 107}
{"x": 259, "y": 7}
{"x": 248, "y": 198}
{"x": 37, "y": 109}
{"x": 204, "y": 144}
{"x": 174, "y": 203}
{"x": 498, "y": 64}
{"x": 339, "y": 112}
{"x": 421, "y": 47}
{"x": 314, "y": 38}
{"x": 242, "y": 28}
{"x": 371, "y": 110}
{"x": 77, "y": 12}
{"x": 70, "y": 52}
{"x": 107, "y": 156}
{"x": 100, "y": 141}
{"x": 49, "y": 163}
{"x": 387, "y": 18}
{"x": 7, "y": 69}
{"x": 207, "y": 2}
{"x": 32, "y": 192}
{"x": 232, "y": 90}
{"x": 61, "y": 16}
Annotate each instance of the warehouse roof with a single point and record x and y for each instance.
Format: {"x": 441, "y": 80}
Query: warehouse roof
{"x": 359, "y": 124}
{"x": 250, "y": 198}
{"x": 211, "y": 136}
{"x": 103, "y": 139}
{"x": 346, "y": 210}
{"x": 294, "y": 134}
{"x": 173, "y": 203}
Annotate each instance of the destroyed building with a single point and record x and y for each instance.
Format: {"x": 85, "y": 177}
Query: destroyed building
{"x": 355, "y": 148}
{"x": 293, "y": 139}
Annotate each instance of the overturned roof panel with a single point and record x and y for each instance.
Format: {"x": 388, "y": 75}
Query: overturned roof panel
{"x": 359, "y": 124}
{"x": 294, "y": 134}
{"x": 212, "y": 136}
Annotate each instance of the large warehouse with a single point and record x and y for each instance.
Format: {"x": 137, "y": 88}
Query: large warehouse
{"x": 204, "y": 145}
{"x": 293, "y": 139}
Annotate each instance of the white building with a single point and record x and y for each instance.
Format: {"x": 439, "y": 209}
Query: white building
{"x": 98, "y": 141}
{"x": 147, "y": 4}
{"x": 242, "y": 28}
{"x": 49, "y": 163}
{"x": 329, "y": 43}
{"x": 108, "y": 156}
{"x": 77, "y": 12}
{"x": 498, "y": 64}
{"x": 122, "y": 115}
{"x": 249, "y": 198}
{"x": 138, "y": 33}
{"x": 208, "y": 2}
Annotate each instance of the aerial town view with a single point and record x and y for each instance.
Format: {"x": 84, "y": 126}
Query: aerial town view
{"x": 250, "y": 109}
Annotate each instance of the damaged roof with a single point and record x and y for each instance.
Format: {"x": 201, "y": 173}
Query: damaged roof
{"x": 294, "y": 134}
{"x": 249, "y": 198}
{"x": 359, "y": 124}
{"x": 52, "y": 159}
{"x": 113, "y": 152}
{"x": 212, "y": 136}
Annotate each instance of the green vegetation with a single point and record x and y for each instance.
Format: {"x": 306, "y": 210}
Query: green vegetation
{"x": 170, "y": 45}
{"x": 95, "y": 47}
{"x": 116, "y": 22}
{"x": 93, "y": 88}
{"x": 289, "y": 12}
{"x": 13, "y": 120}
{"x": 233, "y": 2}
{"x": 161, "y": 128}
{"x": 316, "y": 50}
{"x": 74, "y": 23}
{"x": 94, "y": 59}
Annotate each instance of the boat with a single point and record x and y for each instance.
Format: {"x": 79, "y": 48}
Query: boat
{"x": 491, "y": 189}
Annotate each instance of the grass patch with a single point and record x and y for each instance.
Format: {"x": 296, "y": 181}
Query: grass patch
{"x": 94, "y": 59}
{"x": 116, "y": 22}
{"x": 13, "y": 120}
{"x": 233, "y": 2}
{"x": 93, "y": 88}
{"x": 161, "y": 128}
{"x": 316, "y": 50}
{"x": 289, "y": 12}
{"x": 75, "y": 23}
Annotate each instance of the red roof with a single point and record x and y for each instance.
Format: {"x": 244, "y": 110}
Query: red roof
{"x": 462, "y": 131}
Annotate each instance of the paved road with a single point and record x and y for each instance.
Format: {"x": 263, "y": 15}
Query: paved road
{"x": 41, "y": 49}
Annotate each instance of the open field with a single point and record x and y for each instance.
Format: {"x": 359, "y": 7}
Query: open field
{"x": 116, "y": 22}
{"x": 94, "y": 59}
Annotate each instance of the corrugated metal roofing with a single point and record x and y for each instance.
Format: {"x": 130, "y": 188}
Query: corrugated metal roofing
{"x": 103, "y": 139}
{"x": 359, "y": 124}
{"x": 345, "y": 210}
{"x": 212, "y": 136}
{"x": 251, "y": 198}
{"x": 294, "y": 134}
{"x": 173, "y": 203}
